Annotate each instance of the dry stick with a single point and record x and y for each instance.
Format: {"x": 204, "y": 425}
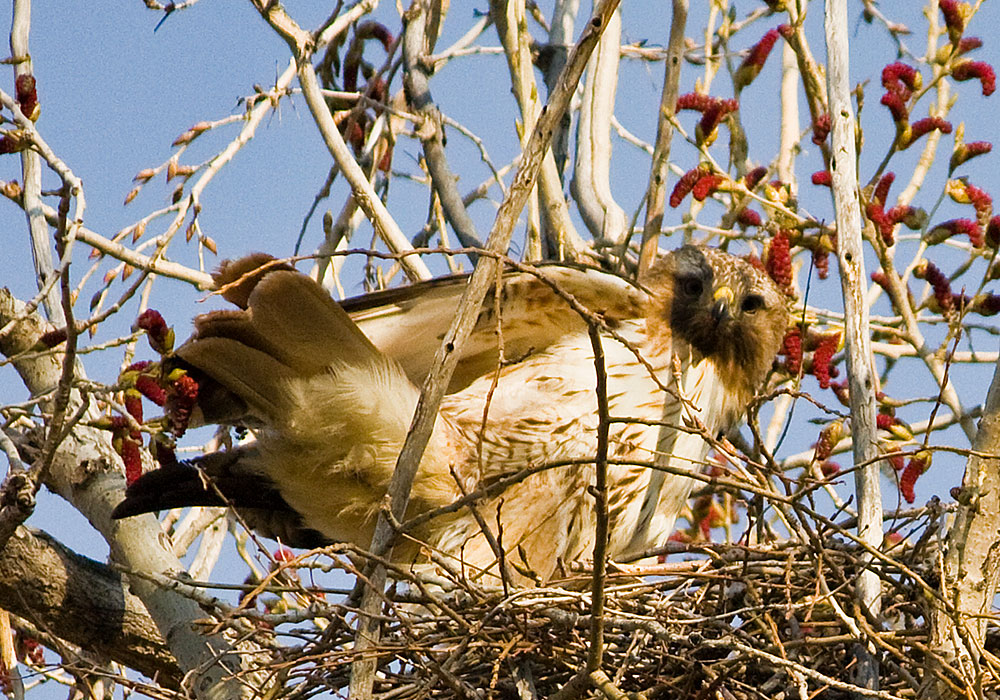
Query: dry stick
{"x": 656, "y": 191}
{"x": 860, "y": 364}
{"x": 431, "y": 131}
{"x": 600, "y": 494}
{"x": 363, "y": 669}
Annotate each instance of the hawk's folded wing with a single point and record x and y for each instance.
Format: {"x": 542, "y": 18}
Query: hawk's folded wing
{"x": 408, "y": 323}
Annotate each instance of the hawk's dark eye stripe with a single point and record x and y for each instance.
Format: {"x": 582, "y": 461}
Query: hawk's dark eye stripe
{"x": 692, "y": 286}
{"x": 752, "y": 303}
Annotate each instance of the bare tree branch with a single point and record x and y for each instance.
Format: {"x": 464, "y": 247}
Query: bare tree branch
{"x": 863, "y": 380}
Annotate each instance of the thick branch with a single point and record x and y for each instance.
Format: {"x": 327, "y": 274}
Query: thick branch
{"x": 508, "y": 19}
{"x": 860, "y": 363}
{"x": 82, "y": 602}
{"x": 972, "y": 563}
{"x": 591, "y": 185}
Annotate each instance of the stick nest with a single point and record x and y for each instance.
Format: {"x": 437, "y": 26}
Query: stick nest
{"x": 713, "y": 620}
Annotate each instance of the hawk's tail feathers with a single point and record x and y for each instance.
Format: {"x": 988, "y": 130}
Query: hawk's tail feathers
{"x": 288, "y": 327}
{"x": 220, "y": 479}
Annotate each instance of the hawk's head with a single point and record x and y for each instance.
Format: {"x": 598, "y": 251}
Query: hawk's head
{"x": 720, "y": 306}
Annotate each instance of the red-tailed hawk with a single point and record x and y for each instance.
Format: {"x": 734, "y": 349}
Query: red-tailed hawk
{"x": 328, "y": 391}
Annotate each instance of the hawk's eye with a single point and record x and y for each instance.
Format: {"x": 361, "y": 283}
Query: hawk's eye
{"x": 692, "y": 286}
{"x": 752, "y": 304}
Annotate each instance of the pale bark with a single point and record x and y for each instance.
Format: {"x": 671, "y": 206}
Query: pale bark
{"x": 972, "y": 559}
{"x": 591, "y": 185}
{"x": 862, "y": 378}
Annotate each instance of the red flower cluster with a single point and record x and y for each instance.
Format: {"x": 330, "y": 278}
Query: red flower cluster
{"x": 976, "y": 70}
{"x": 126, "y": 442}
{"x": 829, "y": 468}
{"x": 881, "y": 280}
{"x": 882, "y": 188}
{"x": 928, "y": 271}
{"x": 706, "y": 186}
{"x": 924, "y": 126}
{"x": 821, "y": 261}
{"x": 899, "y": 81}
{"x": 982, "y": 202}
{"x": 917, "y": 465}
{"x": 885, "y": 223}
{"x": 901, "y": 78}
{"x": 821, "y": 129}
{"x": 161, "y": 336}
{"x": 826, "y": 346}
{"x": 821, "y": 345}
{"x": 700, "y": 181}
{"x": 753, "y": 178}
{"x": 875, "y": 209}
{"x": 993, "y": 232}
{"x": 180, "y": 400}
{"x": 755, "y": 60}
{"x": 897, "y": 107}
{"x": 896, "y": 461}
{"x": 954, "y": 227}
{"x": 967, "y": 44}
{"x": 884, "y": 421}
{"x": 748, "y": 217}
{"x": 713, "y": 111}
{"x": 954, "y": 18}
{"x": 27, "y": 96}
{"x": 778, "y": 260}
{"x": 822, "y": 178}
{"x": 966, "y": 151}
{"x": 791, "y": 348}
{"x": 985, "y": 304}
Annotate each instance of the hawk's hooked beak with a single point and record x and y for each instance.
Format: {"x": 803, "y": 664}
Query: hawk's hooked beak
{"x": 722, "y": 299}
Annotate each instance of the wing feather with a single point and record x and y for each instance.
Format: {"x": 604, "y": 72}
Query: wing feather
{"x": 408, "y": 323}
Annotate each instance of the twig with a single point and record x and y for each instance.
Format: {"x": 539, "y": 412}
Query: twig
{"x": 600, "y": 493}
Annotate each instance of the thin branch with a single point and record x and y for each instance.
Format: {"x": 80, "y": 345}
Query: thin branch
{"x": 431, "y": 131}
{"x": 600, "y": 493}
{"x": 656, "y": 190}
